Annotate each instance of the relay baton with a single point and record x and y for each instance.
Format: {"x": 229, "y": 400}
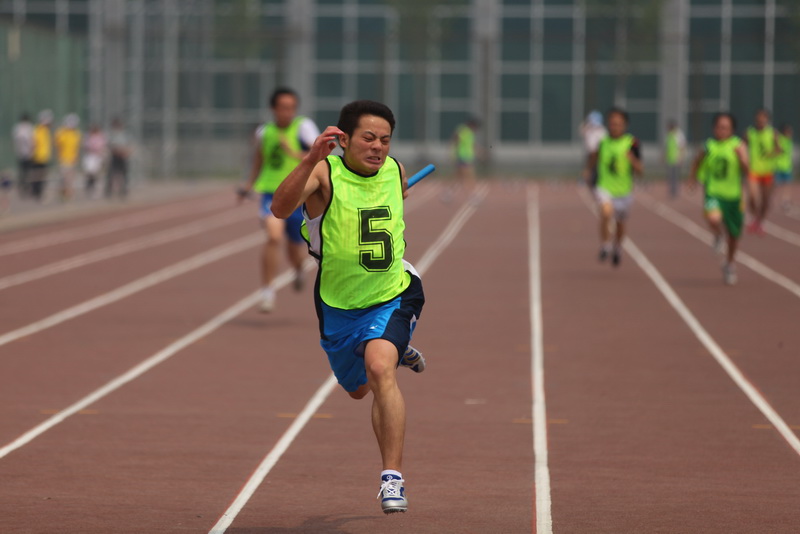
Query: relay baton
{"x": 421, "y": 174}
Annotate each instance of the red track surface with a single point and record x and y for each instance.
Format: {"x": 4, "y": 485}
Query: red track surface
{"x": 646, "y": 431}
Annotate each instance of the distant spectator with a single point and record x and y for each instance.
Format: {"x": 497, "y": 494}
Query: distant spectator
{"x": 120, "y": 148}
{"x": 674, "y": 154}
{"x": 592, "y": 132}
{"x": 42, "y": 154}
{"x": 68, "y": 147}
{"x": 22, "y": 135}
{"x": 94, "y": 154}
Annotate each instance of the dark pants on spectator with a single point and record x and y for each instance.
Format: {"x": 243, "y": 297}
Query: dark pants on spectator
{"x": 23, "y": 177}
{"x": 37, "y": 180}
{"x": 117, "y": 170}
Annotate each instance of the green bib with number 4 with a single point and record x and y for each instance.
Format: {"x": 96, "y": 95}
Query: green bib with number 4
{"x": 362, "y": 243}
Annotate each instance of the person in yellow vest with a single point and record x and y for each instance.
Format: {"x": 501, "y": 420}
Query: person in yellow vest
{"x": 68, "y": 147}
{"x": 784, "y": 165}
{"x": 724, "y": 162}
{"x": 368, "y": 298}
{"x": 42, "y": 154}
{"x": 464, "y": 148}
{"x": 617, "y": 159}
{"x": 279, "y": 146}
{"x": 674, "y": 154}
{"x": 763, "y": 148}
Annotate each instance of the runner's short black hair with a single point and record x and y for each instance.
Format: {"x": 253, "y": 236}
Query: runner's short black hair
{"x": 718, "y": 116}
{"x": 619, "y": 111}
{"x": 273, "y": 99}
{"x": 352, "y": 112}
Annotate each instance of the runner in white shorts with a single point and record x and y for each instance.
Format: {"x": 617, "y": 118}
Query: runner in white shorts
{"x": 617, "y": 158}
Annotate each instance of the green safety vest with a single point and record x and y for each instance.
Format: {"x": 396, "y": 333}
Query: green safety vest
{"x": 361, "y": 236}
{"x": 783, "y": 162}
{"x": 614, "y": 169}
{"x": 761, "y": 145}
{"x": 277, "y": 164}
{"x": 465, "y": 144}
{"x": 723, "y": 174}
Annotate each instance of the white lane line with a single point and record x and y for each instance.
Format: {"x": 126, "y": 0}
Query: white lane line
{"x": 140, "y": 284}
{"x": 125, "y": 247}
{"x": 680, "y": 220}
{"x": 710, "y": 344}
{"x": 324, "y": 391}
{"x": 544, "y": 519}
{"x": 106, "y": 227}
{"x": 144, "y": 366}
{"x": 782, "y": 233}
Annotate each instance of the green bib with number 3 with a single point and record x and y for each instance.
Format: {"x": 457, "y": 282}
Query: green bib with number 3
{"x": 362, "y": 243}
{"x": 723, "y": 174}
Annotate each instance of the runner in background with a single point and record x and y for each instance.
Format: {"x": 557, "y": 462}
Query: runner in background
{"x": 763, "y": 147}
{"x": 617, "y": 159}
{"x": 674, "y": 155}
{"x": 724, "y": 162}
{"x": 463, "y": 149}
{"x": 279, "y": 146}
{"x": 784, "y": 166}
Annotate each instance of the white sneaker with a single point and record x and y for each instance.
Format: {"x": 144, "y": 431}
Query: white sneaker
{"x": 729, "y": 274}
{"x": 412, "y": 358}
{"x": 392, "y": 495}
{"x": 267, "y": 302}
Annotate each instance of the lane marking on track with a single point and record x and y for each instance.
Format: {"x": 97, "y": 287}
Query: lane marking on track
{"x": 137, "y": 371}
{"x": 108, "y": 226}
{"x": 782, "y": 233}
{"x": 680, "y": 220}
{"x": 543, "y": 503}
{"x": 125, "y": 247}
{"x": 705, "y": 338}
{"x": 283, "y": 444}
{"x": 176, "y": 269}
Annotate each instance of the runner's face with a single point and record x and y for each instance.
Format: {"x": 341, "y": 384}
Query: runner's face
{"x": 285, "y": 109}
{"x": 761, "y": 120}
{"x": 366, "y": 150}
{"x": 723, "y": 128}
{"x": 616, "y": 125}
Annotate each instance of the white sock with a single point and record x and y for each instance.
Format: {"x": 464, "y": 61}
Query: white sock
{"x": 267, "y": 291}
{"x": 391, "y": 472}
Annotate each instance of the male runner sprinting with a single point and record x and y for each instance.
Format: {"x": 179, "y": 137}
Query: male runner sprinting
{"x": 367, "y": 297}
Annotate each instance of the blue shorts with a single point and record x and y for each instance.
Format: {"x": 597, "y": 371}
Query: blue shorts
{"x": 293, "y": 222}
{"x": 345, "y": 333}
{"x": 783, "y": 177}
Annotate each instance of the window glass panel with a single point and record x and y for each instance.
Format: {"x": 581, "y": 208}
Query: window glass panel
{"x": 330, "y": 38}
{"x": 787, "y": 46}
{"x": 600, "y": 38}
{"x": 748, "y": 39}
{"x": 329, "y": 84}
{"x": 455, "y": 86}
{"x": 599, "y": 91}
{"x": 557, "y": 108}
{"x": 787, "y": 105}
{"x": 705, "y": 37}
{"x": 747, "y": 95}
{"x": 371, "y": 38}
{"x": 557, "y": 39}
{"x": 704, "y": 86}
{"x": 516, "y": 39}
{"x": 642, "y": 86}
{"x": 455, "y": 39}
{"x": 644, "y": 126}
{"x": 369, "y": 86}
{"x": 514, "y": 126}
{"x": 515, "y": 86}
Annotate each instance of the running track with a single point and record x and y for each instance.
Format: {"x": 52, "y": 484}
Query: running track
{"x": 141, "y": 392}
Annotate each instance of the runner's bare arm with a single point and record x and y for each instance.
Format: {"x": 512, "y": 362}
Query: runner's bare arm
{"x": 307, "y": 177}
{"x": 744, "y": 158}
